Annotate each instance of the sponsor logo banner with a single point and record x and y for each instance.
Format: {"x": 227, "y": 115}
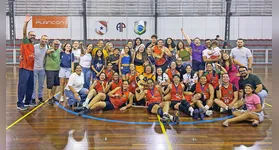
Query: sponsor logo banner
{"x": 49, "y": 22}
{"x": 120, "y": 26}
{"x": 140, "y": 27}
{"x": 101, "y": 27}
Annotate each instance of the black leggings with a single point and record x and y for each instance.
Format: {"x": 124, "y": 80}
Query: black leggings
{"x": 184, "y": 107}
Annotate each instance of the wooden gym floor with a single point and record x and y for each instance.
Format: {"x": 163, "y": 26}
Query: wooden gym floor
{"x": 47, "y": 127}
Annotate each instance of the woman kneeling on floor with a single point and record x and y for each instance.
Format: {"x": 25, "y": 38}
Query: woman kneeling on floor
{"x": 74, "y": 90}
{"x": 252, "y": 111}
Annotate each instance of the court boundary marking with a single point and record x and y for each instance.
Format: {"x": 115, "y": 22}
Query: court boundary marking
{"x": 165, "y": 133}
{"x": 140, "y": 123}
{"x": 102, "y": 119}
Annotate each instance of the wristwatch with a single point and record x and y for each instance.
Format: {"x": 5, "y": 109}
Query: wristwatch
{"x": 249, "y": 69}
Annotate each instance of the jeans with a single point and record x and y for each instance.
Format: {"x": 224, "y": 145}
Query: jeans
{"x": 72, "y": 100}
{"x": 39, "y": 75}
{"x": 262, "y": 94}
{"x": 25, "y": 87}
{"x": 87, "y": 77}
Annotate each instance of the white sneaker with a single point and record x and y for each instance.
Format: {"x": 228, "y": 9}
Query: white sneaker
{"x": 209, "y": 112}
{"x": 222, "y": 110}
{"x": 84, "y": 104}
{"x": 62, "y": 99}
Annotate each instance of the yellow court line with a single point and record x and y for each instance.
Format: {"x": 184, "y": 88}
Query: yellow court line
{"x": 268, "y": 105}
{"x": 18, "y": 120}
{"x": 165, "y": 133}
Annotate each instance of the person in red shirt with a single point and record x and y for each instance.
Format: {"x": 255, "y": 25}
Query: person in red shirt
{"x": 176, "y": 97}
{"x": 26, "y": 68}
{"x": 115, "y": 99}
{"x": 98, "y": 86}
{"x": 227, "y": 94}
{"x": 116, "y": 81}
{"x": 159, "y": 53}
{"x": 212, "y": 76}
{"x": 207, "y": 90}
{"x": 131, "y": 77}
{"x": 172, "y": 71}
{"x": 109, "y": 72}
{"x": 153, "y": 96}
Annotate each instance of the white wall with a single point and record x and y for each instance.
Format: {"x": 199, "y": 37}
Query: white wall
{"x": 203, "y": 27}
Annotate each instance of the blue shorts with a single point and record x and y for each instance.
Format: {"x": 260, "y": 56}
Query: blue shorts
{"x": 196, "y": 65}
{"x": 109, "y": 105}
{"x": 125, "y": 70}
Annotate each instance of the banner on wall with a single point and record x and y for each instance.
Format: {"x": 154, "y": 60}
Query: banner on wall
{"x": 101, "y": 27}
{"x": 49, "y": 22}
{"x": 140, "y": 27}
{"x": 120, "y": 26}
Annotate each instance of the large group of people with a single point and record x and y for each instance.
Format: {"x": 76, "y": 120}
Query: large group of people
{"x": 193, "y": 78}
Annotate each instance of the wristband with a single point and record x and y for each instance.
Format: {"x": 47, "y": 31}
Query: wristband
{"x": 249, "y": 69}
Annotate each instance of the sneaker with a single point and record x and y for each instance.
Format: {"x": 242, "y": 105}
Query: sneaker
{"x": 209, "y": 113}
{"x": 41, "y": 100}
{"x": 196, "y": 114}
{"x": 50, "y": 102}
{"x": 229, "y": 111}
{"x": 79, "y": 109}
{"x": 176, "y": 117}
{"x": 222, "y": 110}
{"x": 22, "y": 108}
{"x": 33, "y": 104}
{"x": 165, "y": 119}
{"x": 62, "y": 99}
{"x": 26, "y": 105}
{"x": 55, "y": 100}
{"x": 84, "y": 112}
{"x": 33, "y": 101}
{"x": 201, "y": 114}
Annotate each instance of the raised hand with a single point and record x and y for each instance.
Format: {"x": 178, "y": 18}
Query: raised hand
{"x": 27, "y": 18}
{"x": 181, "y": 29}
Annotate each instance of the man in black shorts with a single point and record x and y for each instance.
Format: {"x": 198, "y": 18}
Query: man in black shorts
{"x": 52, "y": 66}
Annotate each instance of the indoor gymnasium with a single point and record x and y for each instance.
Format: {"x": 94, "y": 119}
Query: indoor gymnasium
{"x": 138, "y": 74}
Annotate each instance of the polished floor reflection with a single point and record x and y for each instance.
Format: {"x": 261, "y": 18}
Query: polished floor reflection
{"x": 51, "y": 128}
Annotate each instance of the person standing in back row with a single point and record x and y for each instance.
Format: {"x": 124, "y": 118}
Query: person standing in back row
{"x": 39, "y": 70}
{"x": 52, "y": 68}
{"x": 197, "y": 50}
{"x": 26, "y": 67}
{"x": 242, "y": 54}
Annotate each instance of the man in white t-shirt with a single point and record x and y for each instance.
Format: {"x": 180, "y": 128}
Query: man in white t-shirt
{"x": 242, "y": 54}
{"x": 76, "y": 51}
{"x": 74, "y": 89}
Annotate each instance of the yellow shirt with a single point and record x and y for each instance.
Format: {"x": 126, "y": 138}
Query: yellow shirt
{"x": 151, "y": 75}
{"x": 93, "y": 52}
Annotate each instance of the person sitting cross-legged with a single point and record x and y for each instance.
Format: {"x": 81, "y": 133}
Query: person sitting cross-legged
{"x": 252, "y": 111}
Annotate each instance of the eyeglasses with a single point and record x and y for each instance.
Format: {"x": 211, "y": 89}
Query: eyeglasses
{"x": 242, "y": 71}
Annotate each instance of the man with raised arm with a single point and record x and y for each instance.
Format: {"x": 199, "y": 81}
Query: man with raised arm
{"x": 26, "y": 68}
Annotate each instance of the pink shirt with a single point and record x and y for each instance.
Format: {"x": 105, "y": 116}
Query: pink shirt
{"x": 252, "y": 101}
